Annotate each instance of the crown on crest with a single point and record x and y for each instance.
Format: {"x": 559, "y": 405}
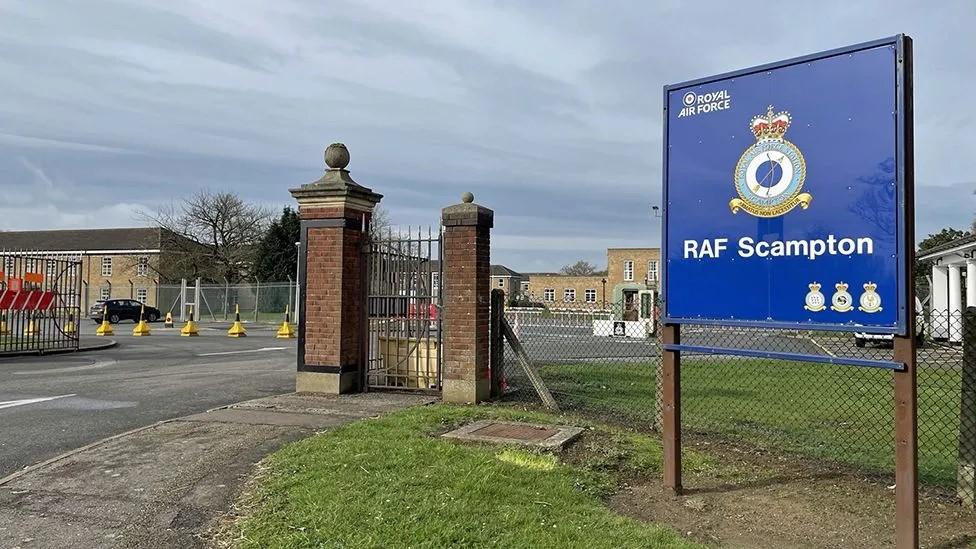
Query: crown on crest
{"x": 814, "y": 287}
{"x": 870, "y": 287}
{"x": 770, "y": 126}
{"x": 841, "y": 286}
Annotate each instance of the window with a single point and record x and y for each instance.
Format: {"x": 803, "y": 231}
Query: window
{"x": 525, "y": 287}
{"x": 652, "y": 271}
{"x": 590, "y": 295}
{"x": 142, "y": 295}
{"x": 628, "y": 270}
{"x": 106, "y": 266}
{"x": 30, "y": 266}
{"x": 105, "y": 294}
{"x": 435, "y": 282}
{"x": 8, "y": 265}
{"x": 142, "y": 269}
{"x": 549, "y": 294}
{"x": 501, "y": 282}
{"x": 569, "y": 295}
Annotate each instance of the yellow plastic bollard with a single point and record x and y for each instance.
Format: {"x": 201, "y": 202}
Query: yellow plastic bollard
{"x": 71, "y": 328}
{"x": 104, "y": 329}
{"x": 190, "y": 329}
{"x": 237, "y": 329}
{"x": 142, "y": 328}
{"x": 286, "y": 331}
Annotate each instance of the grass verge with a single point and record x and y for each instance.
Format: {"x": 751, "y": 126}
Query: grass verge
{"x": 839, "y": 413}
{"x": 391, "y": 482}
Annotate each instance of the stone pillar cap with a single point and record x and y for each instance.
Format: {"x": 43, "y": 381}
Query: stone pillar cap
{"x": 336, "y": 183}
{"x": 467, "y": 214}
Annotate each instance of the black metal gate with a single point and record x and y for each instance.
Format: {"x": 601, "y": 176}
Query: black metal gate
{"x": 403, "y": 303}
{"x": 40, "y": 295}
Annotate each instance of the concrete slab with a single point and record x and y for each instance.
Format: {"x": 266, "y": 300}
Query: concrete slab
{"x": 513, "y": 432}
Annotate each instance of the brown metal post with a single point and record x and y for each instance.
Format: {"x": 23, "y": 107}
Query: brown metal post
{"x": 906, "y": 444}
{"x": 671, "y": 407}
{"x": 496, "y": 349}
{"x": 906, "y": 381}
{"x": 966, "y": 471}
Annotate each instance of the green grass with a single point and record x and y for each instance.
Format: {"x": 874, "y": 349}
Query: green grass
{"x": 839, "y": 413}
{"x": 391, "y": 482}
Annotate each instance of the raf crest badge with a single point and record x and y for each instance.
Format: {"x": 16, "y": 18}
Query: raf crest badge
{"x": 841, "y": 300}
{"x": 769, "y": 176}
{"x": 815, "y": 299}
{"x": 870, "y": 300}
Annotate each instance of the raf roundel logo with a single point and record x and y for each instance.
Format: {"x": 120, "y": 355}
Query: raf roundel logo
{"x": 689, "y": 99}
{"x": 770, "y": 174}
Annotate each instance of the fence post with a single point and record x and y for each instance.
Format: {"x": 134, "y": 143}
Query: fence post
{"x": 226, "y": 296}
{"x": 182, "y": 299}
{"x": 966, "y": 474}
{"x": 496, "y": 361}
{"x": 257, "y": 298}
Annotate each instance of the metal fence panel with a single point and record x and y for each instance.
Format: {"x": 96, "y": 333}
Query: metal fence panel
{"x": 258, "y": 301}
{"x": 40, "y": 300}
{"x": 842, "y": 414}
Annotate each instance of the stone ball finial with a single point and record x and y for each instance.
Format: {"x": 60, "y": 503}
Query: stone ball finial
{"x": 336, "y": 156}
{"x": 467, "y": 198}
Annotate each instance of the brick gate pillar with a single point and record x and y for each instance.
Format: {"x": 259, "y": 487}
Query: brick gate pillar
{"x": 335, "y": 213}
{"x": 467, "y": 287}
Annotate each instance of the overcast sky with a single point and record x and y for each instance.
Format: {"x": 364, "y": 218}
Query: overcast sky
{"x": 549, "y": 112}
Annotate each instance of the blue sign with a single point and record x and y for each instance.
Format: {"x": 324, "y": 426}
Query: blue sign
{"x": 784, "y": 193}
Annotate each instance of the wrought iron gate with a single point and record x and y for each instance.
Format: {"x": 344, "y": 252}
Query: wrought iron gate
{"x": 403, "y": 307}
{"x": 40, "y": 296}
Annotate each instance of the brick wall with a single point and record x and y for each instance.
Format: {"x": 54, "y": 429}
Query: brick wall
{"x": 333, "y": 302}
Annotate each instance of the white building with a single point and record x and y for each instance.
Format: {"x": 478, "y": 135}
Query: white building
{"x": 952, "y": 285}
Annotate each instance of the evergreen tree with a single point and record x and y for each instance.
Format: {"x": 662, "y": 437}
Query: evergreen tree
{"x": 277, "y": 255}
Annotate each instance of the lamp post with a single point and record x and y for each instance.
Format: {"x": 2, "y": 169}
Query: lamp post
{"x": 604, "y": 281}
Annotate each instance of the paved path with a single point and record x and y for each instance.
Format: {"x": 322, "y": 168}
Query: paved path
{"x": 52, "y": 404}
{"x": 166, "y": 485}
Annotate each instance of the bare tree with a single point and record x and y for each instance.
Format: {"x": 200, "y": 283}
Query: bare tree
{"x": 379, "y": 223}
{"x": 212, "y": 235}
{"x": 580, "y": 268}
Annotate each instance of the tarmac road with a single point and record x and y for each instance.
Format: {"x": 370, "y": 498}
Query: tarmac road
{"x": 49, "y": 405}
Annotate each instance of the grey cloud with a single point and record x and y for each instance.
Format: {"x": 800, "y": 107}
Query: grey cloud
{"x": 558, "y": 130}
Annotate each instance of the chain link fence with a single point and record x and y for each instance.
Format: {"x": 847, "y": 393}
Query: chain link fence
{"x": 258, "y": 301}
{"x": 843, "y": 414}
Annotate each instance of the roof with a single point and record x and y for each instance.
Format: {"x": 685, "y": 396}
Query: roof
{"x": 501, "y": 270}
{"x": 82, "y": 240}
{"x": 967, "y": 241}
{"x": 496, "y": 270}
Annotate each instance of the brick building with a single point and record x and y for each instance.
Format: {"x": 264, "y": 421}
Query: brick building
{"x": 562, "y": 291}
{"x": 506, "y": 280}
{"x": 115, "y": 263}
{"x": 630, "y": 271}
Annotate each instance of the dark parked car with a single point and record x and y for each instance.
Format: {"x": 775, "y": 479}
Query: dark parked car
{"x": 122, "y": 309}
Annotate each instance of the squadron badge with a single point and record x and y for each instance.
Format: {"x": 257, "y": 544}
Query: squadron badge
{"x": 870, "y": 301}
{"x": 815, "y": 300}
{"x": 841, "y": 300}
{"x": 769, "y": 175}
